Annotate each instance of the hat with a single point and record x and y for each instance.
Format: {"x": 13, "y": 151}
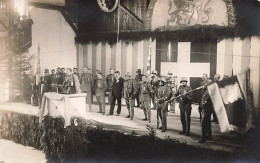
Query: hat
{"x": 183, "y": 79}
{"x": 46, "y": 71}
{"x": 128, "y": 74}
{"x": 154, "y": 72}
{"x": 170, "y": 73}
{"x": 138, "y": 71}
{"x": 163, "y": 79}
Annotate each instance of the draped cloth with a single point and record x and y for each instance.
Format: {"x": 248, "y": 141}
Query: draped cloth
{"x": 67, "y": 106}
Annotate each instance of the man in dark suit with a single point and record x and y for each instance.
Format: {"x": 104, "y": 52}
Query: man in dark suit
{"x": 117, "y": 90}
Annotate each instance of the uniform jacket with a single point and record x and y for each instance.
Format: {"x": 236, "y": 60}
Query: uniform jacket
{"x": 145, "y": 90}
{"x": 163, "y": 93}
{"x": 185, "y": 101}
{"x": 101, "y": 87}
{"x": 117, "y": 87}
{"x": 53, "y": 78}
{"x": 73, "y": 82}
{"x": 86, "y": 82}
{"x": 130, "y": 88}
{"x": 206, "y": 103}
{"x": 109, "y": 80}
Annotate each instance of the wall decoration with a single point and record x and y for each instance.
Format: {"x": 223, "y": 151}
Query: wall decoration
{"x": 176, "y": 14}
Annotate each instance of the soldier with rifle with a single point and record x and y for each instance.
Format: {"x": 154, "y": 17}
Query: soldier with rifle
{"x": 163, "y": 93}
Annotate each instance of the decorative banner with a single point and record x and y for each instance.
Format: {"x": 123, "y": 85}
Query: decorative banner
{"x": 182, "y": 13}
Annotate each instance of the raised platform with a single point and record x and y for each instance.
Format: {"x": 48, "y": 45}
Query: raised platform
{"x": 221, "y": 141}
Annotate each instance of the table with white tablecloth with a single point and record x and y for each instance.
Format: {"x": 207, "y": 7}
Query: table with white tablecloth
{"x": 65, "y": 105}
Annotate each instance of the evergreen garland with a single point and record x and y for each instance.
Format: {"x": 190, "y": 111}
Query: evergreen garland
{"x": 192, "y": 34}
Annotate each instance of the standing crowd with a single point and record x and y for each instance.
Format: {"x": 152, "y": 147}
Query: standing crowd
{"x": 155, "y": 92}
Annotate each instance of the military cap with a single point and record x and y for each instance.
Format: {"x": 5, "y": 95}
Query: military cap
{"x": 183, "y": 79}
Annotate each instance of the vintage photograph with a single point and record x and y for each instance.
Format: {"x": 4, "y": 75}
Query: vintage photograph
{"x": 129, "y": 81}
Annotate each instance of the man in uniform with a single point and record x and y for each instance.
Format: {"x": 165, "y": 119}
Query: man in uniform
{"x": 100, "y": 92}
{"x": 163, "y": 93}
{"x": 53, "y": 80}
{"x": 130, "y": 89}
{"x": 62, "y": 75}
{"x": 185, "y": 106}
{"x": 155, "y": 83}
{"x": 46, "y": 82}
{"x": 95, "y": 80}
{"x": 71, "y": 84}
{"x": 109, "y": 80}
{"x": 117, "y": 91}
{"x": 146, "y": 92}
{"x": 171, "y": 82}
{"x": 87, "y": 85}
{"x": 138, "y": 78}
{"x": 204, "y": 80}
{"x": 207, "y": 110}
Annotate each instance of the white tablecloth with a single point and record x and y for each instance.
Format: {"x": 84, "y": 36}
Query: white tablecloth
{"x": 67, "y": 106}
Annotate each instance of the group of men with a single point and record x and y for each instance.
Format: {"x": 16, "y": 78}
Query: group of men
{"x": 159, "y": 92}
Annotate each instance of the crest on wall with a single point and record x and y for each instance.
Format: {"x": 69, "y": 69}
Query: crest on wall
{"x": 176, "y": 14}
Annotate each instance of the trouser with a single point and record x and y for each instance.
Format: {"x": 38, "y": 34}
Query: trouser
{"x": 162, "y": 111}
{"x": 138, "y": 99}
{"x": 185, "y": 119}
{"x": 215, "y": 118}
{"x": 146, "y": 106}
{"x": 206, "y": 125}
{"x": 89, "y": 99}
{"x": 172, "y": 106}
{"x": 112, "y": 105}
{"x": 101, "y": 103}
{"x": 109, "y": 96}
{"x": 130, "y": 106}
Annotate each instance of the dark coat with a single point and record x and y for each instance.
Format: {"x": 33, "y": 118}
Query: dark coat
{"x": 117, "y": 87}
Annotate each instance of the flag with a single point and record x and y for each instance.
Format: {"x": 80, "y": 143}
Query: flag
{"x": 231, "y": 104}
{"x": 149, "y": 58}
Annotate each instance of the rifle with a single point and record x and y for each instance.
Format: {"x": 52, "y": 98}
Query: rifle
{"x": 201, "y": 87}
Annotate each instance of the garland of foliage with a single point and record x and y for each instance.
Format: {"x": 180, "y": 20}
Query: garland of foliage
{"x": 193, "y": 34}
{"x": 85, "y": 142}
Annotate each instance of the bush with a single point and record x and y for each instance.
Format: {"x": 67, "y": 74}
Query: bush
{"x": 85, "y": 142}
